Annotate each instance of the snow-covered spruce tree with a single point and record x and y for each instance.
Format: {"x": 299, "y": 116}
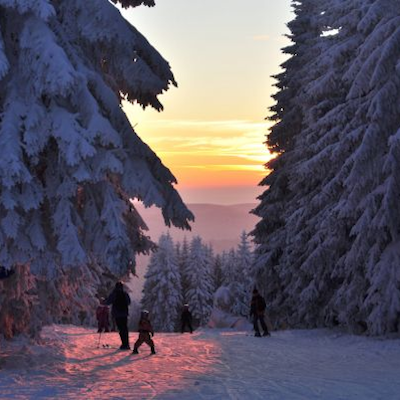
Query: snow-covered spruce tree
{"x": 199, "y": 292}
{"x": 316, "y": 236}
{"x": 162, "y": 295}
{"x": 236, "y": 266}
{"x": 270, "y": 233}
{"x": 328, "y": 142}
{"x": 69, "y": 160}
{"x": 372, "y": 188}
{"x": 217, "y": 272}
{"x": 341, "y": 226}
{"x": 325, "y": 287}
{"x": 243, "y": 282}
{"x": 184, "y": 267}
{"x": 229, "y": 267}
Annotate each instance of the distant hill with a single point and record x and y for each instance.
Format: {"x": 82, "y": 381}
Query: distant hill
{"x": 218, "y": 225}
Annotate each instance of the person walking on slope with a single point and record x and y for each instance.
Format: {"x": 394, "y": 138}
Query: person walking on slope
{"x": 186, "y": 319}
{"x": 145, "y": 330}
{"x": 257, "y": 309}
{"x": 120, "y": 301}
{"x": 102, "y": 316}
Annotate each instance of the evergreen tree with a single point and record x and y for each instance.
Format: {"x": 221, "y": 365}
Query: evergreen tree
{"x": 236, "y": 266}
{"x": 243, "y": 282}
{"x": 229, "y": 267}
{"x": 69, "y": 160}
{"x": 199, "y": 292}
{"x": 217, "y": 272}
{"x": 184, "y": 267}
{"x": 270, "y": 234}
{"x": 162, "y": 288}
{"x": 210, "y": 260}
{"x": 339, "y": 217}
{"x": 371, "y": 189}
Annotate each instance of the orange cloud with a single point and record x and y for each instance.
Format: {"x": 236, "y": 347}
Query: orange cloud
{"x": 209, "y": 153}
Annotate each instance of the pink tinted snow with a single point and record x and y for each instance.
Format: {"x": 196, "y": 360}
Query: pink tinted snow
{"x": 210, "y": 364}
{"x": 82, "y": 367}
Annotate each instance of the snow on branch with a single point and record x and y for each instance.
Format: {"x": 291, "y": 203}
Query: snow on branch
{"x": 134, "y": 3}
{"x": 41, "y": 8}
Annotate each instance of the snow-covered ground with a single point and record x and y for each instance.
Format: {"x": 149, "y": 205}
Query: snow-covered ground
{"x": 210, "y": 364}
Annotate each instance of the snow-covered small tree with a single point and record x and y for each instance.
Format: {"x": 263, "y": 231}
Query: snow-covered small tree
{"x": 162, "y": 295}
{"x": 236, "y": 266}
{"x": 184, "y": 267}
{"x": 243, "y": 280}
{"x": 229, "y": 266}
{"x": 217, "y": 271}
{"x": 199, "y": 290}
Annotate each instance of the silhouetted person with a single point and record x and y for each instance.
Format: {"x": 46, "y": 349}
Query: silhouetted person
{"x": 102, "y": 316}
{"x": 120, "y": 301}
{"x": 145, "y": 330}
{"x": 186, "y": 319}
{"x": 257, "y": 310}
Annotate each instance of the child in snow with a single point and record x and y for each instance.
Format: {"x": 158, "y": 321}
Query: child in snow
{"x": 102, "y": 315}
{"x": 145, "y": 330}
{"x": 186, "y": 319}
{"x": 257, "y": 309}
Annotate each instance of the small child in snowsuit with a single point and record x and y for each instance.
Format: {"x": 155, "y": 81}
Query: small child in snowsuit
{"x": 102, "y": 313}
{"x": 145, "y": 330}
{"x": 186, "y": 319}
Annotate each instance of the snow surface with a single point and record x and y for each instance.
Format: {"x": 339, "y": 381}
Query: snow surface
{"x": 210, "y": 364}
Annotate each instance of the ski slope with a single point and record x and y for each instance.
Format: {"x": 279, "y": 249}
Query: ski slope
{"x": 210, "y": 364}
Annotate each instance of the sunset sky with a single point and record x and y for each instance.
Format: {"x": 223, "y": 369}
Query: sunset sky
{"x": 213, "y": 126}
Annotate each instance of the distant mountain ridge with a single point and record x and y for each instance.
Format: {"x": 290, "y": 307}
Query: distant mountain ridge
{"x": 219, "y": 225}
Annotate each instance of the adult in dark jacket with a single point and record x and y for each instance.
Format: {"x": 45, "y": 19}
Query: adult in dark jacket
{"x": 145, "y": 330}
{"x": 120, "y": 301}
{"x": 186, "y": 319}
{"x": 257, "y": 310}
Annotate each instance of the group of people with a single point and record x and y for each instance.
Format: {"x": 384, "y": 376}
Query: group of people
{"x": 120, "y": 302}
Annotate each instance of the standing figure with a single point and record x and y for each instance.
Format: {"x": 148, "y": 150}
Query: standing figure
{"x": 120, "y": 301}
{"x": 186, "y": 319}
{"x": 102, "y": 316}
{"x": 145, "y": 330}
{"x": 257, "y": 309}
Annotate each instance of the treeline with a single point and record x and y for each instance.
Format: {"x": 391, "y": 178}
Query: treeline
{"x": 191, "y": 272}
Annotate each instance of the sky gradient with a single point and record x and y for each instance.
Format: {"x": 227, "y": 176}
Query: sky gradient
{"x": 213, "y": 126}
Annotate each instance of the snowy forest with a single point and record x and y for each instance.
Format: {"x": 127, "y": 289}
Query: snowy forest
{"x": 306, "y": 306}
{"x": 328, "y": 246}
{"x": 217, "y": 287}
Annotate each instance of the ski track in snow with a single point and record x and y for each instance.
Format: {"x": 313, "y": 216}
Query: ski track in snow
{"x": 210, "y": 364}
